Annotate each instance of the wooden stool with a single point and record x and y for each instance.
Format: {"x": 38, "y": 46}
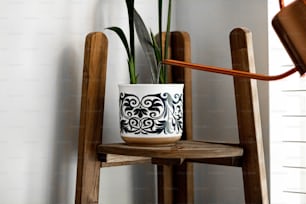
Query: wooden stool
{"x": 175, "y": 180}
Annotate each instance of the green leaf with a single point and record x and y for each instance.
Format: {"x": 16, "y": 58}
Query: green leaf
{"x": 156, "y": 48}
{"x": 163, "y": 75}
{"x": 123, "y": 38}
{"x": 146, "y": 44}
{"x": 160, "y": 78}
{"x": 130, "y": 8}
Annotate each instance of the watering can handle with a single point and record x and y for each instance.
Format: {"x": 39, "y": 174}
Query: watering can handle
{"x": 281, "y": 4}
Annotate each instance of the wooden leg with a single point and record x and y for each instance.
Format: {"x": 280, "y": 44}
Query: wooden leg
{"x": 248, "y": 118}
{"x": 183, "y": 184}
{"x": 91, "y": 119}
{"x": 175, "y": 183}
{"x": 165, "y": 188}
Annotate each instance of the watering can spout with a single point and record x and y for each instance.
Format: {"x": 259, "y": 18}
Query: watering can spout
{"x": 226, "y": 71}
{"x": 290, "y": 25}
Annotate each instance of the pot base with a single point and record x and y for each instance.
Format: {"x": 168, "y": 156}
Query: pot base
{"x": 150, "y": 141}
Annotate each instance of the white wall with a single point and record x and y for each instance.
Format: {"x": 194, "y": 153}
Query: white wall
{"x": 40, "y": 66}
{"x": 41, "y": 57}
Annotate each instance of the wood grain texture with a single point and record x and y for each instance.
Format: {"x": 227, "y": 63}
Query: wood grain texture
{"x": 91, "y": 118}
{"x": 228, "y": 161}
{"x": 183, "y": 149}
{"x": 248, "y": 116}
{"x": 111, "y": 160}
{"x": 165, "y": 184}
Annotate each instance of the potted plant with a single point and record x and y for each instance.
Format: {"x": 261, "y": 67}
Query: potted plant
{"x": 149, "y": 113}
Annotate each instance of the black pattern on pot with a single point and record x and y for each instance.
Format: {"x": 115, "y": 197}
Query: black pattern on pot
{"x": 160, "y": 113}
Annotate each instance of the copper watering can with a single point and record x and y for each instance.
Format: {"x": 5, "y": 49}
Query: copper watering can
{"x": 290, "y": 25}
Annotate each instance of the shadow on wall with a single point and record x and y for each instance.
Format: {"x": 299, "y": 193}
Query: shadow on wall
{"x": 63, "y": 160}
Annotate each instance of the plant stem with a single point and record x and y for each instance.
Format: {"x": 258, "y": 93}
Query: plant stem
{"x": 131, "y": 62}
{"x": 132, "y": 71}
{"x": 166, "y": 46}
{"x": 130, "y": 4}
{"x": 168, "y": 29}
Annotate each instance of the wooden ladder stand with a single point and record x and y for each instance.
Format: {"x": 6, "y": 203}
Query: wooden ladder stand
{"x": 175, "y": 173}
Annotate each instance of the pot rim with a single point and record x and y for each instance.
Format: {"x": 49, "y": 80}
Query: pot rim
{"x": 143, "y": 85}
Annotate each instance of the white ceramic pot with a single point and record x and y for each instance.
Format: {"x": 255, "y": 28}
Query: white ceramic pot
{"x": 151, "y": 113}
